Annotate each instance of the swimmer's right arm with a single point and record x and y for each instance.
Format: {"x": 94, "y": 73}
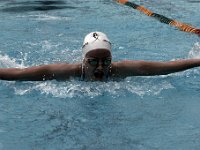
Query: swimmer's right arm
{"x": 40, "y": 73}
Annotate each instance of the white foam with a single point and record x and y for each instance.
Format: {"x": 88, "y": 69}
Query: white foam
{"x": 45, "y": 17}
{"x": 45, "y": 44}
{"x": 70, "y": 89}
{"x": 48, "y": 17}
{"x": 7, "y": 62}
{"x": 195, "y": 51}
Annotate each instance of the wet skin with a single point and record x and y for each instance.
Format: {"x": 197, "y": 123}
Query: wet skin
{"x": 97, "y": 67}
{"x": 100, "y": 70}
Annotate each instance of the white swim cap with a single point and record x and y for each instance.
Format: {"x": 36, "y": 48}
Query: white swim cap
{"x": 95, "y": 40}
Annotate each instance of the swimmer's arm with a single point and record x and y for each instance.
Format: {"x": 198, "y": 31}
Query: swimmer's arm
{"x": 150, "y": 68}
{"x": 40, "y": 73}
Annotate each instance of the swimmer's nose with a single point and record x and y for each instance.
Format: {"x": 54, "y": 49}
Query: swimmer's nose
{"x": 100, "y": 65}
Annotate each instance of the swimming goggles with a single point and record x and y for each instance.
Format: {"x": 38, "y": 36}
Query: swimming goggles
{"x": 95, "y": 62}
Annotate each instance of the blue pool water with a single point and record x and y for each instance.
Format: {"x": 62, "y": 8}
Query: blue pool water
{"x": 140, "y": 113}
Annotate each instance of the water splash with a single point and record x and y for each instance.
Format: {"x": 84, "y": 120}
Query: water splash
{"x": 74, "y": 88}
{"x": 7, "y": 62}
{"x": 195, "y": 51}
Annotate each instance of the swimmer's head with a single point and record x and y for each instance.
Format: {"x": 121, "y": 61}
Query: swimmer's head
{"x": 94, "y": 41}
{"x": 97, "y": 57}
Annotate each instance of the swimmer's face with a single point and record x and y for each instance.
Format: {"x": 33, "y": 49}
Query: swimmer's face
{"x": 97, "y": 64}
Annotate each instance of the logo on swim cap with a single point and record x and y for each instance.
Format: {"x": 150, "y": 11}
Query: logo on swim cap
{"x": 95, "y": 40}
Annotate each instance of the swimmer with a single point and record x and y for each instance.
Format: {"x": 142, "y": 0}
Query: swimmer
{"x": 97, "y": 65}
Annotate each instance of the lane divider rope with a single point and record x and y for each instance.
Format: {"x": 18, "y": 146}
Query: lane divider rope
{"x": 181, "y": 26}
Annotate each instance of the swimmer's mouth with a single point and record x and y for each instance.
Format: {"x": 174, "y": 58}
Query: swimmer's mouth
{"x": 98, "y": 75}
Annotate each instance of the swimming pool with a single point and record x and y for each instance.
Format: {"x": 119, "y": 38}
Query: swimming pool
{"x": 141, "y": 113}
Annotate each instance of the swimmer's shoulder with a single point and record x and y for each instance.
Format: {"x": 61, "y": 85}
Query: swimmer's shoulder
{"x": 66, "y": 69}
{"x": 75, "y": 68}
{"x": 115, "y": 69}
{"x": 124, "y": 68}
{"x": 66, "y": 66}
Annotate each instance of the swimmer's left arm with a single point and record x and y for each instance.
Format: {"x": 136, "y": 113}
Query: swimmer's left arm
{"x": 150, "y": 68}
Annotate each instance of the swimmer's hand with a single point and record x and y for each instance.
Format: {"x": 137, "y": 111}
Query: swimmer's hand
{"x": 197, "y": 31}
